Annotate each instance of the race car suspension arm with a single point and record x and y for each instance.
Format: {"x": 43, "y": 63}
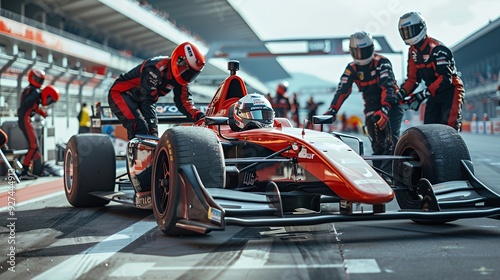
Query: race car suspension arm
{"x": 269, "y": 158}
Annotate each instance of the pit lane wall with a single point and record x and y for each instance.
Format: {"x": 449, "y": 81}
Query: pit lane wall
{"x": 483, "y": 127}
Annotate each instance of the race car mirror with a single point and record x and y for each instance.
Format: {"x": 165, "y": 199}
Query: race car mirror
{"x": 216, "y": 120}
{"x": 322, "y": 119}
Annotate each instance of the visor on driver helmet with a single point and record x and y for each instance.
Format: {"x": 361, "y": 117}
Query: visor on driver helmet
{"x": 257, "y": 115}
{"x": 408, "y": 32}
{"x": 362, "y": 53}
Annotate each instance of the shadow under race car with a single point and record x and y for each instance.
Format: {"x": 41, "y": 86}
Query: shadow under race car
{"x": 205, "y": 176}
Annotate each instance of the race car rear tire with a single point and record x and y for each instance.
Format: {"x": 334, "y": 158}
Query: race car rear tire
{"x": 178, "y": 146}
{"x": 89, "y": 166}
{"x": 439, "y": 149}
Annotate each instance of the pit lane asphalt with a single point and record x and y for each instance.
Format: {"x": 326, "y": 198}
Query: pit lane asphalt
{"x": 56, "y": 241}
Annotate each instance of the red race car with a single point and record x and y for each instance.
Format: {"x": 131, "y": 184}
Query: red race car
{"x": 222, "y": 170}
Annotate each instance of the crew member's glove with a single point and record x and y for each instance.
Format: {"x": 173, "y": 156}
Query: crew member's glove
{"x": 199, "y": 115}
{"x": 415, "y": 99}
{"x": 43, "y": 113}
{"x": 153, "y": 131}
{"x": 380, "y": 117}
{"x": 400, "y": 95}
{"x": 421, "y": 96}
{"x": 332, "y": 112}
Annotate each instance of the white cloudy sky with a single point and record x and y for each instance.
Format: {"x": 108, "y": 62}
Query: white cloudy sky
{"x": 449, "y": 21}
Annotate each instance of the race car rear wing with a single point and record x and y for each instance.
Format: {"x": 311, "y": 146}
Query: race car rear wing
{"x": 167, "y": 114}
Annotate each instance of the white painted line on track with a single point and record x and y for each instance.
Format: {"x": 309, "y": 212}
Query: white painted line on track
{"x": 132, "y": 269}
{"x": 34, "y": 200}
{"x": 362, "y": 266}
{"x": 354, "y": 266}
{"x": 80, "y": 264}
{"x": 248, "y": 267}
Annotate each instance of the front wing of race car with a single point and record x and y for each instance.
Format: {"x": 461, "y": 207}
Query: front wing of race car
{"x": 205, "y": 209}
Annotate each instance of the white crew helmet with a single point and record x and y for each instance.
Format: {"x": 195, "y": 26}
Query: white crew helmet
{"x": 361, "y": 47}
{"x": 412, "y": 28}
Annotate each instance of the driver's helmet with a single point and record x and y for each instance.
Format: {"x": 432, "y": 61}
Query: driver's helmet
{"x": 361, "y": 47}
{"x": 36, "y": 77}
{"x": 412, "y": 28}
{"x": 253, "y": 111}
{"x": 187, "y": 63}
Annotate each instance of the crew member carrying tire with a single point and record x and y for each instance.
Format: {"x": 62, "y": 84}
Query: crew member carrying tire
{"x": 31, "y": 99}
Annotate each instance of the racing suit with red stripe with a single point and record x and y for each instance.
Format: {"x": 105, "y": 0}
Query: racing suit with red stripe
{"x": 133, "y": 95}
{"x": 433, "y": 62}
{"x": 30, "y": 104}
{"x": 378, "y": 86}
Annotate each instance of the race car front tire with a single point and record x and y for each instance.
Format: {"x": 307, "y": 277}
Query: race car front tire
{"x": 438, "y": 149}
{"x": 89, "y": 166}
{"x": 179, "y": 146}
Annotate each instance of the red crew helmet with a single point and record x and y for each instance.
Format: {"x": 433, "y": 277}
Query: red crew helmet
{"x": 50, "y": 94}
{"x": 187, "y": 63}
{"x": 36, "y": 77}
{"x": 282, "y": 88}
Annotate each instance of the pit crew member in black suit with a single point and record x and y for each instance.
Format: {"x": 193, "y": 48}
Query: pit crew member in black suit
{"x": 373, "y": 75}
{"x": 31, "y": 99}
{"x": 133, "y": 95}
{"x": 431, "y": 62}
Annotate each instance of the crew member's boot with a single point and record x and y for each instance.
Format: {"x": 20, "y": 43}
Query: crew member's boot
{"x": 26, "y": 175}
